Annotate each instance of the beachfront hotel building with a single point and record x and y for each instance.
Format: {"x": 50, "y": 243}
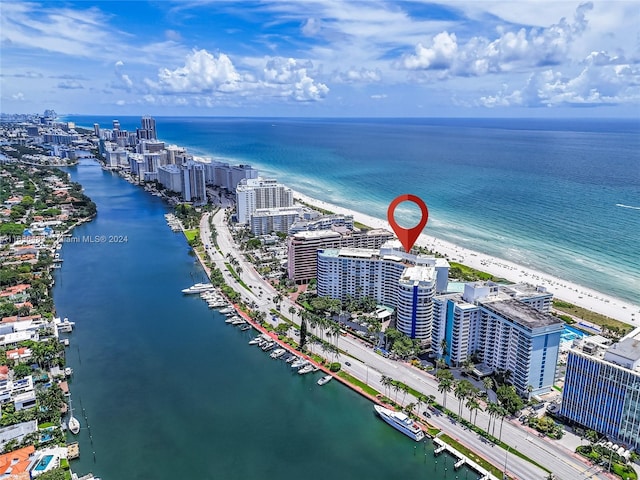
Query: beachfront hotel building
{"x": 255, "y": 193}
{"x": 507, "y": 327}
{"x": 602, "y": 388}
{"x": 303, "y": 246}
{"x": 193, "y": 185}
{"x": 394, "y": 278}
{"x": 268, "y": 220}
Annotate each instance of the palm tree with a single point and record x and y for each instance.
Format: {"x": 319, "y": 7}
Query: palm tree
{"x": 292, "y": 311}
{"x": 460, "y": 391}
{"x": 502, "y": 412}
{"x": 444, "y": 347}
{"x": 405, "y": 389}
{"x": 395, "y": 385}
{"x": 409, "y": 408}
{"x": 492, "y": 410}
{"x": 445, "y": 386}
{"x": 488, "y": 384}
{"x": 473, "y": 405}
{"x": 422, "y": 399}
{"x": 386, "y": 383}
{"x": 334, "y": 328}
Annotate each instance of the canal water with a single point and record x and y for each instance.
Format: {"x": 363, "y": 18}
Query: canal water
{"x": 165, "y": 389}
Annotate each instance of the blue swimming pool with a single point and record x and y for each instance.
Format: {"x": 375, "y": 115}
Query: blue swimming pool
{"x": 570, "y": 333}
{"x": 43, "y": 463}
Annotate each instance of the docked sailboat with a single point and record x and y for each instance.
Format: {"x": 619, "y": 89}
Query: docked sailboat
{"x": 401, "y": 422}
{"x": 73, "y": 423}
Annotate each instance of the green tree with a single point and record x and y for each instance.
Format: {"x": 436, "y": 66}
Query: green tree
{"x": 509, "y": 399}
{"x": 445, "y": 385}
{"x": 303, "y": 333}
{"x": 21, "y": 370}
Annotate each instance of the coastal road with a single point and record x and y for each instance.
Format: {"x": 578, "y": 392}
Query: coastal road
{"x": 368, "y": 366}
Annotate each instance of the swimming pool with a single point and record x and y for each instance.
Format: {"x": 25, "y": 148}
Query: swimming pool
{"x": 570, "y": 333}
{"x": 43, "y": 463}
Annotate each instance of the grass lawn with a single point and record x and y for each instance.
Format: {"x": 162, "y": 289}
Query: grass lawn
{"x": 589, "y": 316}
{"x": 192, "y": 233}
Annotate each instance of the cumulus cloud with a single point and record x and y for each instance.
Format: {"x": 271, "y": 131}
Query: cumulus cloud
{"x": 379, "y": 96}
{"x": 292, "y": 79}
{"x": 172, "y": 35}
{"x": 70, "y": 85}
{"x": 125, "y": 81}
{"x": 311, "y": 27}
{"x": 604, "y": 80}
{"x": 359, "y": 75}
{"x": 18, "y": 96}
{"x": 202, "y": 73}
{"x": 524, "y": 48}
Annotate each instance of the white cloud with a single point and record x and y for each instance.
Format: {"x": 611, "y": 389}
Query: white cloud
{"x": 70, "y": 85}
{"x": 292, "y": 79}
{"x": 359, "y": 75}
{"x": 201, "y": 73}
{"x": 379, "y": 96}
{"x": 125, "y": 81}
{"x": 521, "y": 49}
{"x": 172, "y": 35}
{"x": 18, "y": 96}
{"x": 311, "y": 27}
{"x": 604, "y": 80}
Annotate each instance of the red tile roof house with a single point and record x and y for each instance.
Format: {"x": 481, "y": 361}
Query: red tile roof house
{"x": 21, "y": 353}
{"x": 15, "y": 464}
{"x": 16, "y": 289}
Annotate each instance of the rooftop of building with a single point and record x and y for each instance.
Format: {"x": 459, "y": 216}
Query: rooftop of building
{"x": 521, "y": 313}
{"x": 418, "y": 273}
{"x": 627, "y": 348}
{"x": 310, "y": 234}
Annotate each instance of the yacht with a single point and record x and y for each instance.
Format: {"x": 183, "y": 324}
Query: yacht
{"x": 268, "y": 346}
{"x": 231, "y": 319}
{"x": 308, "y": 368}
{"x": 244, "y": 328}
{"x": 325, "y": 379}
{"x": 197, "y": 288}
{"x": 291, "y": 358}
{"x": 255, "y": 341}
{"x": 401, "y": 422}
{"x": 278, "y": 353}
{"x": 238, "y": 321}
{"x": 228, "y": 309}
{"x": 298, "y": 363}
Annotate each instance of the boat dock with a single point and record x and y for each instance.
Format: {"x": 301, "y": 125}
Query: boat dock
{"x": 440, "y": 446}
{"x": 73, "y": 451}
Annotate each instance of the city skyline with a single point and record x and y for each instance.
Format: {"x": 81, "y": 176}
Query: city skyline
{"x": 323, "y": 58}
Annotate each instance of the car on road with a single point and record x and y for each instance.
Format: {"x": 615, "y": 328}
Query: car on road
{"x": 426, "y": 414}
{"x": 347, "y": 364}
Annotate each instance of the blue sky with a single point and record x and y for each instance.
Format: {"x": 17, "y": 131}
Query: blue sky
{"x": 322, "y": 58}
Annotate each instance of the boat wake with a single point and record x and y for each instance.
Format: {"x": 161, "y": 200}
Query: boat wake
{"x": 627, "y": 206}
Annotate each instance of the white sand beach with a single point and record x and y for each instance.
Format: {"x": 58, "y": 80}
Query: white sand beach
{"x": 562, "y": 289}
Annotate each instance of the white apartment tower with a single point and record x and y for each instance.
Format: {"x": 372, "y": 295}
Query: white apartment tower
{"x": 193, "y": 185}
{"x": 394, "y": 278}
{"x": 503, "y": 328}
{"x": 255, "y": 193}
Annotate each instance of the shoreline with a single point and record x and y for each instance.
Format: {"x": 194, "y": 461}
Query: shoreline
{"x": 563, "y": 290}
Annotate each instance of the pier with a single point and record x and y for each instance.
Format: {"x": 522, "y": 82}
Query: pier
{"x": 440, "y": 446}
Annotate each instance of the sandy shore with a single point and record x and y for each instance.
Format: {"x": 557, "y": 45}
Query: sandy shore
{"x": 562, "y": 289}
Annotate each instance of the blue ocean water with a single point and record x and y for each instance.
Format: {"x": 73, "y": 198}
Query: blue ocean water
{"x": 560, "y": 196}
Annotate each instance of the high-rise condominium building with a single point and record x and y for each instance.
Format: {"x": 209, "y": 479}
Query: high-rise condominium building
{"x": 400, "y": 280}
{"x": 255, "y": 193}
{"x": 602, "y": 387}
{"x": 503, "y": 328}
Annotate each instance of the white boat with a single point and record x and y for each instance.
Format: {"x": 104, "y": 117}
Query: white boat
{"x": 401, "y": 422}
{"x": 291, "y": 358}
{"x": 308, "y": 368}
{"x": 325, "y": 379}
{"x": 268, "y": 346}
{"x": 73, "y": 423}
{"x": 278, "y": 353}
{"x": 298, "y": 363}
{"x": 255, "y": 341}
{"x": 231, "y": 319}
{"x": 226, "y": 310}
{"x": 238, "y": 321}
{"x": 68, "y": 371}
{"x": 197, "y": 288}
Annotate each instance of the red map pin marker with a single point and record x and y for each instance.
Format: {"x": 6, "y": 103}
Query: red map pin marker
{"x": 407, "y": 236}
